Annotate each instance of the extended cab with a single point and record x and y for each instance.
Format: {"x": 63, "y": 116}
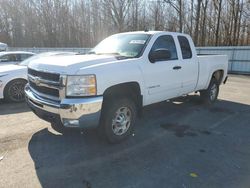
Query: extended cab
{"x": 108, "y": 87}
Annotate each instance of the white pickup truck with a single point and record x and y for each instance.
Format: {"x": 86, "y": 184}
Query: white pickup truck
{"x": 108, "y": 87}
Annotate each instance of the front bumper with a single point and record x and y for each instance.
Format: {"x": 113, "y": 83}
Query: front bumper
{"x": 83, "y": 112}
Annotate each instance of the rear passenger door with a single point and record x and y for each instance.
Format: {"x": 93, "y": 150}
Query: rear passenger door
{"x": 189, "y": 66}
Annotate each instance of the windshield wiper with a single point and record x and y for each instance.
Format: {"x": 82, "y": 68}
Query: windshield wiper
{"x": 111, "y": 53}
{"x": 118, "y": 55}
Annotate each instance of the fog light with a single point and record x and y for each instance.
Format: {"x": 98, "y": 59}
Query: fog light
{"x": 71, "y": 122}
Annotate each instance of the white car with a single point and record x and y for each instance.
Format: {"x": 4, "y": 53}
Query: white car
{"x": 14, "y": 57}
{"x": 13, "y": 78}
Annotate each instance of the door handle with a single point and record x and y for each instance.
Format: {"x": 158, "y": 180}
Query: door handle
{"x": 177, "y": 67}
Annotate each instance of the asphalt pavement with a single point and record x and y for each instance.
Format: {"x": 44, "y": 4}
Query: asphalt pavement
{"x": 178, "y": 143}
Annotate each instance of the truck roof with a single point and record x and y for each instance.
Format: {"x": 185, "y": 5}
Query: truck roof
{"x": 152, "y": 32}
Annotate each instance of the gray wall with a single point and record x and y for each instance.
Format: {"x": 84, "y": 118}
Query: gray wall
{"x": 238, "y": 56}
{"x": 40, "y": 50}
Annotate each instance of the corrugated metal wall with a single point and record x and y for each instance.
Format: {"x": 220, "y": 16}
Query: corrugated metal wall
{"x": 40, "y": 50}
{"x": 238, "y": 56}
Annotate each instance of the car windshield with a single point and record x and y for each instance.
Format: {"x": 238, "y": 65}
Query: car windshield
{"x": 27, "y": 61}
{"x": 127, "y": 45}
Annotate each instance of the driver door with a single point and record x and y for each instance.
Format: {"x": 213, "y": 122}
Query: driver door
{"x": 162, "y": 76}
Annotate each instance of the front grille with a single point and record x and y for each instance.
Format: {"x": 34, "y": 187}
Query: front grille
{"x": 44, "y": 89}
{"x": 45, "y": 75}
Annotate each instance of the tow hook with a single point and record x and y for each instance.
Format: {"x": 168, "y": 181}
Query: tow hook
{"x": 225, "y": 80}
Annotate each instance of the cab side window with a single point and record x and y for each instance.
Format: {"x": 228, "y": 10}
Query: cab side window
{"x": 25, "y": 56}
{"x": 12, "y": 57}
{"x": 8, "y": 58}
{"x": 4, "y": 58}
{"x": 185, "y": 47}
{"x": 166, "y": 42}
{"x": 18, "y": 57}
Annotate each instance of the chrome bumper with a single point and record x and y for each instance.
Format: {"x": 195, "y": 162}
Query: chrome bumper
{"x": 84, "y": 112}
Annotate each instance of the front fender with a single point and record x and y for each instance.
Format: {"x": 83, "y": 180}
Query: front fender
{"x": 114, "y": 73}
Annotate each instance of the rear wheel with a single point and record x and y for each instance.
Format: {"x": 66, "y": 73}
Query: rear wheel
{"x": 14, "y": 90}
{"x": 118, "y": 119}
{"x": 210, "y": 95}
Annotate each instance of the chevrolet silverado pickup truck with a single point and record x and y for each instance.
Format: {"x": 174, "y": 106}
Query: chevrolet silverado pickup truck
{"x": 110, "y": 85}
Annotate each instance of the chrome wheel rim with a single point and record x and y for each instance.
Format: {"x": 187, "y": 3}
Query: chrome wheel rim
{"x": 122, "y": 120}
{"x": 16, "y": 91}
{"x": 213, "y": 92}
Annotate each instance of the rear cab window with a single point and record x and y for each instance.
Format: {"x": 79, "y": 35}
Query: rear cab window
{"x": 185, "y": 47}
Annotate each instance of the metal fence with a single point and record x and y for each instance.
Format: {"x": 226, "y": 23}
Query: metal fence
{"x": 40, "y": 50}
{"x": 238, "y": 56}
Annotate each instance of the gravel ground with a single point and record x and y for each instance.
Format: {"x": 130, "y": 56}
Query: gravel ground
{"x": 180, "y": 143}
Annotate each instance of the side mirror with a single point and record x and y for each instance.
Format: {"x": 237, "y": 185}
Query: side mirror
{"x": 161, "y": 54}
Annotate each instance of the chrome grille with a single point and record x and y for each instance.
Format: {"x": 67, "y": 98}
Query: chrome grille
{"x": 45, "y": 84}
{"x": 45, "y": 75}
{"x": 45, "y": 90}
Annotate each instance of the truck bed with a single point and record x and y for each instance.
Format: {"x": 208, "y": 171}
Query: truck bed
{"x": 208, "y": 64}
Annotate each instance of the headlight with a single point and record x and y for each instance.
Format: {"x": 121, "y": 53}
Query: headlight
{"x": 84, "y": 85}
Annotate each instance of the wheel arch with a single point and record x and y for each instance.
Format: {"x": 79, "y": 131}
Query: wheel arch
{"x": 9, "y": 82}
{"x": 218, "y": 75}
{"x": 131, "y": 90}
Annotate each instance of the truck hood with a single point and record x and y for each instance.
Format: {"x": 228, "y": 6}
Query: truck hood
{"x": 5, "y": 69}
{"x": 69, "y": 64}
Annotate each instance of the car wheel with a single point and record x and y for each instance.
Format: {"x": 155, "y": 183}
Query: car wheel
{"x": 118, "y": 119}
{"x": 210, "y": 95}
{"x": 14, "y": 90}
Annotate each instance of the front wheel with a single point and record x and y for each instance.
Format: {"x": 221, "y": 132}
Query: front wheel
{"x": 14, "y": 90}
{"x": 210, "y": 95}
{"x": 118, "y": 119}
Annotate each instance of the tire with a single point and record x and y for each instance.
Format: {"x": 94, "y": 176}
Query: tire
{"x": 118, "y": 120}
{"x": 58, "y": 127}
{"x": 210, "y": 95}
{"x": 14, "y": 90}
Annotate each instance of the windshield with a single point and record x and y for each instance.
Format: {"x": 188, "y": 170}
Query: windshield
{"x": 27, "y": 61}
{"x": 127, "y": 45}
